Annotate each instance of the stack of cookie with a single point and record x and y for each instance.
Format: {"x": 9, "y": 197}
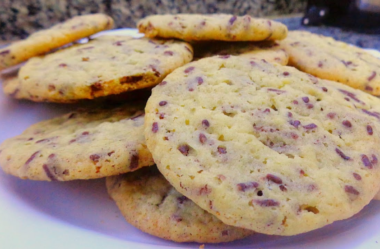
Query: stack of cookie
{"x": 236, "y": 142}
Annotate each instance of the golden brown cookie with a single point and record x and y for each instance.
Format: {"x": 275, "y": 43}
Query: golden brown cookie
{"x": 265, "y": 147}
{"x": 223, "y": 27}
{"x": 46, "y": 40}
{"x": 329, "y": 59}
{"x": 104, "y": 66}
{"x": 84, "y": 144}
{"x": 150, "y": 203}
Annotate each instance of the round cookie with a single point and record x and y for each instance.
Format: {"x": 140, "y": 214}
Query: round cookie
{"x": 150, "y": 203}
{"x": 223, "y": 27}
{"x": 263, "y": 146}
{"x": 104, "y": 66}
{"x": 84, "y": 144}
{"x": 61, "y": 34}
{"x": 268, "y": 51}
{"x": 329, "y": 59}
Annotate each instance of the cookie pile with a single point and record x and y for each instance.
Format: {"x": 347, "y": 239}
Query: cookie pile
{"x": 231, "y": 141}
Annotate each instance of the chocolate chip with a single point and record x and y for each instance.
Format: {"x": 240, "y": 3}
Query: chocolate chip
{"x": 295, "y": 123}
{"x": 341, "y": 154}
{"x": 283, "y": 188}
{"x": 202, "y": 138}
{"x": 134, "y": 163}
{"x": 351, "y": 95}
{"x": 246, "y": 186}
{"x": 286, "y": 73}
{"x": 48, "y": 173}
{"x": 305, "y": 99}
{"x": 162, "y": 83}
{"x": 205, "y": 123}
{"x": 373, "y": 75}
{"x": 310, "y": 126}
{"x": 366, "y": 161}
{"x": 199, "y": 80}
{"x": 267, "y": 203}
{"x": 347, "y": 123}
{"x": 351, "y": 190}
{"x": 162, "y": 103}
{"x": 189, "y": 69}
{"x": 5, "y": 52}
{"x": 324, "y": 89}
{"x": 357, "y": 176}
{"x": 222, "y": 150}
{"x": 130, "y": 79}
{"x": 155, "y": 127}
{"x": 170, "y": 53}
{"x": 368, "y": 88}
{"x": 95, "y": 158}
{"x": 374, "y": 159}
{"x": 274, "y": 178}
{"x": 373, "y": 114}
{"x": 184, "y": 149}
{"x": 232, "y": 20}
{"x": 31, "y": 157}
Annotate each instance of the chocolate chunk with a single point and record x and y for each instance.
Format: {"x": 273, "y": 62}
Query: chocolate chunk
{"x": 366, "y": 161}
{"x": 202, "y": 138}
{"x": 341, "y": 154}
{"x": 134, "y": 163}
{"x": 267, "y": 203}
{"x": 205, "y": 123}
{"x": 274, "y": 178}
{"x": 184, "y": 149}
{"x": 222, "y": 150}
{"x": 351, "y": 190}
{"x": 162, "y": 103}
{"x": 155, "y": 127}
{"x": 189, "y": 69}
{"x": 373, "y": 75}
{"x": 95, "y": 158}
{"x": 31, "y": 157}
{"x": 347, "y": 123}
{"x": 246, "y": 186}
{"x": 232, "y": 20}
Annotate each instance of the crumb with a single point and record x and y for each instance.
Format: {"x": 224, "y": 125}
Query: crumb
{"x": 202, "y": 246}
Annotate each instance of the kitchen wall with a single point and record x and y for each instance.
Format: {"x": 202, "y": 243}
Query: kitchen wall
{"x": 19, "y": 18}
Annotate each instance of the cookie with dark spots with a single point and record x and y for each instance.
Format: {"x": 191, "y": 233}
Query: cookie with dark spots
{"x": 84, "y": 144}
{"x": 148, "y": 201}
{"x": 222, "y": 27}
{"x": 266, "y": 51}
{"x": 57, "y": 36}
{"x": 329, "y": 59}
{"x": 274, "y": 149}
{"x": 104, "y": 66}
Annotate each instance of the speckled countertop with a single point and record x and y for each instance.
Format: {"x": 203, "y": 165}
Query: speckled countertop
{"x": 358, "y": 39}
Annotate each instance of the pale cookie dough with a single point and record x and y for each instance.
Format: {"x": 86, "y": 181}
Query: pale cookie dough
{"x": 104, "y": 66}
{"x": 150, "y": 203}
{"x": 84, "y": 144}
{"x": 329, "y": 59}
{"x": 61, "y": 34}
{"x": 223, "y": 27}
{"x": 263, "y": 146}
{"x": 267, "y": 51}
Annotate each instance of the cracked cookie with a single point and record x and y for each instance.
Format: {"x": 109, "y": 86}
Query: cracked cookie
{"x": 265, "y": 147}
{"x": 84, "y": 144}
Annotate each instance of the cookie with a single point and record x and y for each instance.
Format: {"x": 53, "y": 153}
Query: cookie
{"x": 222, "y": 27}
{"x": 329, "y": 59}
{"x": 150, "y": 203}
{"x": 104, "y": 66}
{"x": 46, "y": 40}
{"x": 265, "y": 147}
{"x": 84, "y": 144}
{"x": 268, "y": 51}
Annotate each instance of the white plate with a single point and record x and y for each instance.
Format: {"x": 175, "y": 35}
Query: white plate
{"x": 79, "y": 214}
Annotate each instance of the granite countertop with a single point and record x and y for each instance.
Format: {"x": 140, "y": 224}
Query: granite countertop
{"x": 348, "y": 36}
{"x": 361, "y": 40}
